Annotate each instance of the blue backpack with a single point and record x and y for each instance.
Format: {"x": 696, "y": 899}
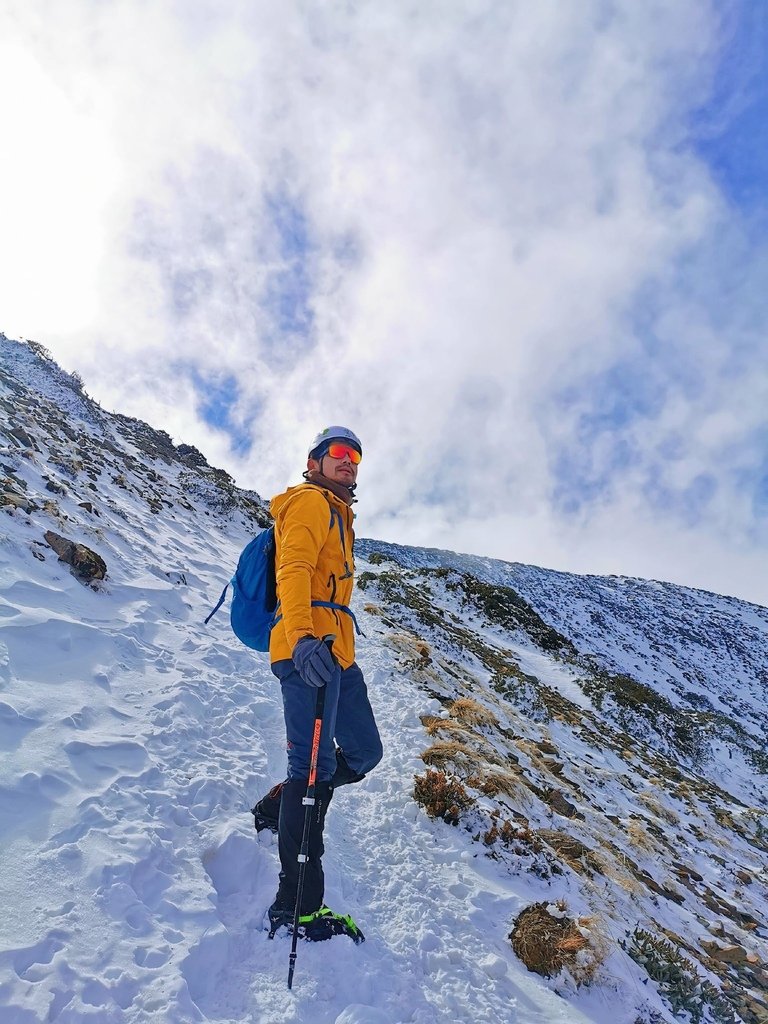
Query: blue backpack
{"x": 254, "y": 590}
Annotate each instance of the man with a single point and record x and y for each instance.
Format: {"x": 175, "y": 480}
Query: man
{"x": 314, "y": 567}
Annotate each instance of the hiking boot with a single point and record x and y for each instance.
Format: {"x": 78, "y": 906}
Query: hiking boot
{"x": 324, "y": 924}
{"x": 316, "y": 927}
{"x": 266, "y": 813}
{"x": 278, "y": 917}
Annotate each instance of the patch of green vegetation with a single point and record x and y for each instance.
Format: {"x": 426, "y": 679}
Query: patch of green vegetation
{"x": 678, "y": 980}
{"x": 758, "y": 759}
{"x": 687, "y": 730}
{"x": 504, "y": 607}
{"x": 405, "y": 590}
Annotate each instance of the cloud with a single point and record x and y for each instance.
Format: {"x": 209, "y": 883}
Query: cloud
{"x": 486, "y": 236}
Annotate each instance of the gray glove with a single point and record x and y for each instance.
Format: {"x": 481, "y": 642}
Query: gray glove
{"x": 313, "y": 661}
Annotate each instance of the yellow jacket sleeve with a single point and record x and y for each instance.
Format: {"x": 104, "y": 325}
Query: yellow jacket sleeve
{"x": 300, "y": 537}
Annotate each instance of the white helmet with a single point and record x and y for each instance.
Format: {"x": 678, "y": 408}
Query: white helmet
{"x": 320, "y": 444}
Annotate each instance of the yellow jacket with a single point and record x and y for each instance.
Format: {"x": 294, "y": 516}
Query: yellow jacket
{"x": 312, "y": 564}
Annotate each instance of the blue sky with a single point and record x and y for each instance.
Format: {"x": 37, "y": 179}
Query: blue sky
{"x": 730, "y": 131}
{"x": 520, "y": 249}
{"x": 289, "y": 290}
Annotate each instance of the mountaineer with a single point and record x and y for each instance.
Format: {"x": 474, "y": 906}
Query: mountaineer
{"x": 314, "y": 563}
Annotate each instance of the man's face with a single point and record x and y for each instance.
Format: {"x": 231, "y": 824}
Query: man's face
{"x": 343, "y": 470}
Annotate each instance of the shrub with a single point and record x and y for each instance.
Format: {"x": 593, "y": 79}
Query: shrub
{"x": 441, "y": 796}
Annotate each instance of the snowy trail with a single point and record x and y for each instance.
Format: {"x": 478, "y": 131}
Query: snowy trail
{"x": 410, "y": 882}
{"x": 141, "y": 740}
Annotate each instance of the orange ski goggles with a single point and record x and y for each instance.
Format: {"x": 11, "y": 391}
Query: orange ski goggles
{"x": 343, "y": 451}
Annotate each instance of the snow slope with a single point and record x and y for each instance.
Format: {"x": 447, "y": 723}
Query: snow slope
{"x": 134, "y": 740}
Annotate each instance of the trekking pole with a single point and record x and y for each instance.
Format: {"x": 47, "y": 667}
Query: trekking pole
{"x": 309, "y": 803}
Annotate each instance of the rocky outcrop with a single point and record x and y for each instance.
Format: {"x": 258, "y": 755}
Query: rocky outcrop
{"x": 86, "y": 564}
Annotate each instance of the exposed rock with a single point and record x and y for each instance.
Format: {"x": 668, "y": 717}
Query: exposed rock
{"x": 561, "y": 805}
{"x": 11, "y": 499}
{"x": 745, "y": 877}
{"x": 87, "y": 505}
{"x": 191, "y": 455}
{"x": 728, "y": 954}
{"x": 23, "y": 437}
{"x": 546, "y": 747}
{"x": 86, "y": 563}
{"x": 572, "y": 850}
{"x": 55, "y": 488}
{"x": 687, "y": 873}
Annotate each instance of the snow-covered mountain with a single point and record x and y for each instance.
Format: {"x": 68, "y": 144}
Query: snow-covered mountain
{"x": 576, "y": 762}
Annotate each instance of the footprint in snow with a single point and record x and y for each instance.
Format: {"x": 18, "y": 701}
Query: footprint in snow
{"x": 14, "y": 726}
{"x": 95, "y": 762}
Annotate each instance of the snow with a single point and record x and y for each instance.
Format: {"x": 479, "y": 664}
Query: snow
{"x": 135, "y": 884}
{"x": 135, "y": 740}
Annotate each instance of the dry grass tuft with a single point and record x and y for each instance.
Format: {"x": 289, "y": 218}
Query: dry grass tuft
{"x": 639, "y": 838}
{"x": 434, "y": 724}
{"x": 657, "y": 808}
{"x": 547, "y": 940}
{"x": 417, "y": 650}
{"x": 444, "y": 753}
{"x": 441, "y": 796}
{"x": 493, "y": 781}
{"x": 472, "y": 713}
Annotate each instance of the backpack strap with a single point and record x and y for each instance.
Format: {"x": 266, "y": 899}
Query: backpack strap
{"x": 335, "y": 514}
{"x": 335, "y": 517}
{"x": 339, "y": 608}
{"x": 220, "y": 602}
{"x": 336, "y": 607}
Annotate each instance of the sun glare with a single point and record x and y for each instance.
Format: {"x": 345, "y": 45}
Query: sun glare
{"x": 57, "y": 175}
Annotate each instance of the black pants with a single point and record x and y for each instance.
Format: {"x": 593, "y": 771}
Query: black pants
{"x": 290, "y": 833}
